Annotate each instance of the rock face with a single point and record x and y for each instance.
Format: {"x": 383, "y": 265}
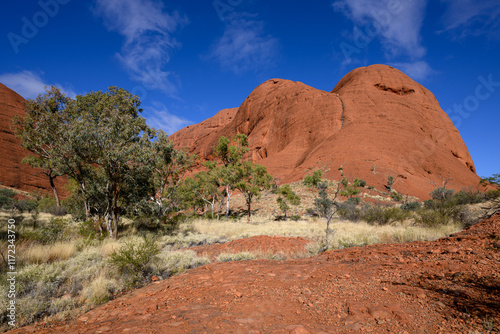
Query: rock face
{"x": 375, "y": 123}
{"x": 13, "y": 173}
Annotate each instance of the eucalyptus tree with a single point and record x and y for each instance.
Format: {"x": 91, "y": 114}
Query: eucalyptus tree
{"x": 286, "y": 196}
{"x": 170, "y": 166}
{"x": 230, "y": 153}
{"x": 39, "y": 131}
{"x": 106, "y": 138}
{"x": 253, "y": 179}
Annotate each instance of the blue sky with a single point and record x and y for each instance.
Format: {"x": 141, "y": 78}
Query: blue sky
{"x": 189, "y": 59}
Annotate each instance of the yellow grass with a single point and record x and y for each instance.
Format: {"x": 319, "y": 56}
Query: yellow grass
{"x": 345, "y": 233}
{"x": 109, "y": 246}
{"x": 60, "y": 251}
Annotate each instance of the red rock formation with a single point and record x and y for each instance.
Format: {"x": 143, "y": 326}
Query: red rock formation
{"x": 13, "y": 173}
{"x": 376, "y": 123}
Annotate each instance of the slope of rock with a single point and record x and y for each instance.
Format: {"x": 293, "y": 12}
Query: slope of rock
{"x": 13, "y": 173}
{"x": 376, "y": 123}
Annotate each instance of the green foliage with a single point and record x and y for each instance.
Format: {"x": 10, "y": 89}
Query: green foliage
{"x": 432, "y": 217}
{"x": 134, "y": 258}
{"x": 49, "y": 233}
{"x": 442, "y": 194}
{"x": 285, "y": 197}
{"x": 469, "y": 197}
{"x": 88, "y": 229}
{"x": 231, "y": 151}
{"x": 384, "y": 215}
{"x": 252, "y": 181}
{"x": 390, "y": 183}
{"x": 411, "y": 206}
{"x": 312, "y": 181}
{"x": 397, "y": 197}
{"x": 495, "y": 179}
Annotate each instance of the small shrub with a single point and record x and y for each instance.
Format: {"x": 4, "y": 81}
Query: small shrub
{"x": 469, "y": 197}
{"x": 134, "y": 258}
{"x": 397, "y": 197}
{"x": 99, "y": 291}
{"x": 50, "y": 233}
{"x": 382, "y": 216}
{"x": 493, "y": 194}
{"x": 89, "y": 230}
{"x": 349, "y": 210}
{"x": 295, "y": 217}
{"x": 6, "y": 198}
{"x": 432, "y": 218}
{"x": 411, "y": 206}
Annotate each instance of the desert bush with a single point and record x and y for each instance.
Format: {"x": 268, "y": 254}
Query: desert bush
{"x": 432, "y": 217}
{"x": 493, "y": 194}
{"x": 411, "y": 206}
{"x": 134, "y": 258}
{"x": 384, "y": 215}
{"x": 99, "y": 291}
{"x": 227, "y": 257}
{"x": 6, "y": 198}
{"x": 350, "y": 211}
{"x": 469, "y": 197}
{"x": 88, "y": 230}
{"x": 397, "y": 197}
{"x": 25, "y": 205}
{"x": 48, "y": 233}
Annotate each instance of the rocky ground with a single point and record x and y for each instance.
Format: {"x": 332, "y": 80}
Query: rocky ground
{"x": 451, "y": 285}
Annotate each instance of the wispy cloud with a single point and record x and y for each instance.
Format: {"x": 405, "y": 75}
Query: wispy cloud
{"x": 418, "y": 70}
{"x": 244, "y": 46}
{"x": 148, "y": 30}
{"x": 472, "y": 17}
{"x": 399, "y": 25}
{"x": 29, "y": 85}
{"x": 158, "y": 117}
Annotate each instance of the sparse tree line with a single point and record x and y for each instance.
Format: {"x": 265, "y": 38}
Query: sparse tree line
{"x": 116, "y": 164}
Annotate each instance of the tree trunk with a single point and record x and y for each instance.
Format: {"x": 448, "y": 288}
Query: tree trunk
{"x": 249, "y": 208}
{"x": 54, "y": 190}
{"x": 228, "y": 196}
{"x": 114, "y": 207}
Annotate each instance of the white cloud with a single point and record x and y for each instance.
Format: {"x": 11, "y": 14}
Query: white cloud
{"x": 473, "y": 17}
{"x": 398, "y": 22}
{"x": 418, "y": 70}
{"x": 158, "y": 117}
{"x": 29, "y": 85}
{"x": 148, "y": 39}
{"x": 244, "y": 46}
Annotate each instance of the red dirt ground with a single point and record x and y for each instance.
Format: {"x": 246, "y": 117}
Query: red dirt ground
{"x": 451, "y": 285}
{"x": 260, "y": 245}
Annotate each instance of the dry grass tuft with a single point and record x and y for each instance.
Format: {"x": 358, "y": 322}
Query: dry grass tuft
{"x": 34, "y": 253}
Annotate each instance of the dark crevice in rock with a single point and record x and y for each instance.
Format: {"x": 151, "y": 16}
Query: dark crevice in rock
{"x": 400, "y": 91}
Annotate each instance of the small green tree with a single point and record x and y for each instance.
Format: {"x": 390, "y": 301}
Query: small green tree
{"x": 285, "y": 197}
{"x": 208, "y": 186}
{"x": 327, "y": 202}
{"x": 230, "y": 153}
{"x": 169, "y": 168}
{"x": 253, "y": 180}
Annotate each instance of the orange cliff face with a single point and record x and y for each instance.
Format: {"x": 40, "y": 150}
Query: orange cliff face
{"x": 13, "y": 173}
{"x": 377, "y": 122}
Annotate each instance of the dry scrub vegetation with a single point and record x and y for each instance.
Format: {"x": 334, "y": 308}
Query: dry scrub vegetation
{"x": 63, "y": 270}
